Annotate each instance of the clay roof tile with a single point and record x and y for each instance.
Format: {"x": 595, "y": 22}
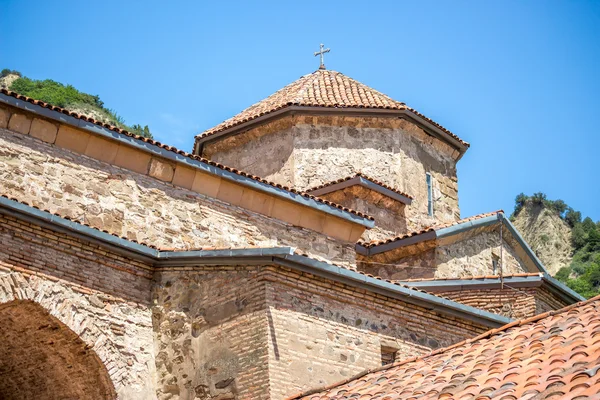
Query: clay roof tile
{"x": 488, "y": 367}
{"x": 322, "y": 88}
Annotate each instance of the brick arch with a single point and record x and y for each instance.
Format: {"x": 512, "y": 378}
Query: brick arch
{"x": 118, "y": 332}
{"x": 40, "y": 357}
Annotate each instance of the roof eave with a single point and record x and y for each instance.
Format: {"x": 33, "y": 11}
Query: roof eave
{"x": 421, "y": 122}
{"x": 282, "y": 256}
{"x": 363, "y": 182}
{"x": 194, "y": 163}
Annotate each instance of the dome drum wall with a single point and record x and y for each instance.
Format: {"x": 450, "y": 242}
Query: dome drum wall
{"x": 305, "y": 151}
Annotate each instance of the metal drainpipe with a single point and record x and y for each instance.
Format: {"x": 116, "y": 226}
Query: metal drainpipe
{"x": 500, "y": 217}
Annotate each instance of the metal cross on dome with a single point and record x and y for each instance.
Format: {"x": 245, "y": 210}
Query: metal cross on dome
{"x": 321, "y": 52}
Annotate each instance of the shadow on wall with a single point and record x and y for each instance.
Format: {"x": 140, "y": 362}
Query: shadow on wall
{"x": 41, "y": 358}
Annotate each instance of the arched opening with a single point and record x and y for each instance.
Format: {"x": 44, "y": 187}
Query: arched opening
{"x": 41, "y": 358}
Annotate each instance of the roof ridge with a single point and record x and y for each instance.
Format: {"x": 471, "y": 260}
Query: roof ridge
{"x": 181, "y": 152}
{"x": 485, "y": 335}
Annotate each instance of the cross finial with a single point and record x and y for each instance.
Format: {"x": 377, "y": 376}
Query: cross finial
{"x": 321, "y": 52}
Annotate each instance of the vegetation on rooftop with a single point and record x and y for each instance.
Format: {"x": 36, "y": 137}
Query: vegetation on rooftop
{"x": 68, "y": 97}
{"x": 583, "y": 275}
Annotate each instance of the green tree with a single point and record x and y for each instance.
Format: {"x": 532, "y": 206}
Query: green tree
{"x": 578, "y": 237}
{"x": 559, "y": 206}
{"x": 572, "y": 217}
{"x": 520, "y": 202}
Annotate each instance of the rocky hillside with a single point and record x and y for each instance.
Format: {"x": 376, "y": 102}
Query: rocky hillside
{"x": 66, "y": 96}
{"x": 547, "y": 234}
{"x": 568, "y": 245}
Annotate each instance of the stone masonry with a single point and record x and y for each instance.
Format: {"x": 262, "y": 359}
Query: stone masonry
{"x": 307, "y": 151}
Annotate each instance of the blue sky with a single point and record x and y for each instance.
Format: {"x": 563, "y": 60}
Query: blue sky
{"x": 519, "y": 80}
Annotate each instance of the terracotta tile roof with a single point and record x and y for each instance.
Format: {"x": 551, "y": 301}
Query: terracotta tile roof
{"x": 322, "y": 88}
{"x": 477, "y": 277}
{"x": 555, "y": 355}
{"x": 357, "y": 175}
{"x": 425, "y": 230}
{"x": 397, "y": 283}
{"x": 180, "y": 152}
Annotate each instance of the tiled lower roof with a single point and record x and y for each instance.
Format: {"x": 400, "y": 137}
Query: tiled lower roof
{"x": 425, "y": 230}
{"x": 477, "y": 277}
{"x": 359, "y": 175}
{"x": 555, "y": 355}
{"x": 322, "y": 88}
{"x": 180, "y": 152}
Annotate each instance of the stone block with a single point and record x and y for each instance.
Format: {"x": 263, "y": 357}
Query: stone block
{"x": 161, "y": 169}
{"x": 311, "y": 219}
{"x": 72, "y": 139}
{"x": 43, "y": 130}
{"x": 257, "y": 202}
{"x": 356, "y": 233}
{"x": 286, "y": 211}
{"x": 206, "y": 184}
{"x": 184, "y": 176}
{"x": 102, "y": 149}
{"x": 4, "y": 117}
{"x": 230, "y": 192}
{"x": 19, "y": 123}
{"x": 132, "y": 159}
{"x": 337, "y": 228}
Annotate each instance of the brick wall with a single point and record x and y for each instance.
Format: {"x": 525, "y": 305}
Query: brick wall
{"x": 515, "y": 303}
{"x": 102, "y": 297}
{"x": 41, "y": 358}
{"x": 322, "y": 332}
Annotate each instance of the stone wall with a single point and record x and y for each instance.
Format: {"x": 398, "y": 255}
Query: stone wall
{"x": 260, "y": 332}
{"x": 389, "y": 214}
{"x": 465, "y": 258}
{"x": 141, "y": 208}
{"x": 265, "y": 151}
{"x": 211, "y": 333}
{"x": 103, "y": 298}
{"x": 313, "y": 150}
{"x": 321, "y": 332}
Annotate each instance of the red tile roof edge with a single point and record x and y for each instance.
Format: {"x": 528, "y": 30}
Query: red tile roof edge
{"x": 484, "y": 335}
{"x": 425, "y": 230}
{"x": 359, "y": 175}
{"x": 299, "y": 87}
{"x": 393, "y": 282}
{"x": 214, "y": 131}
{"x": 181, "y": 152}
{"x": 476, "y": 277}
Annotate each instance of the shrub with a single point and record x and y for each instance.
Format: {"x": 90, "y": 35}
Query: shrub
{"x": 538, "y": 199}
{"x": 6, "y": 72}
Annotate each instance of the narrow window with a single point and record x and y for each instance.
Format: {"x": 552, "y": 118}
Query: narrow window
{"x": 388, "y": 355}
{"x": 429, "y": 195}
{"x": 495, "y": 259}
